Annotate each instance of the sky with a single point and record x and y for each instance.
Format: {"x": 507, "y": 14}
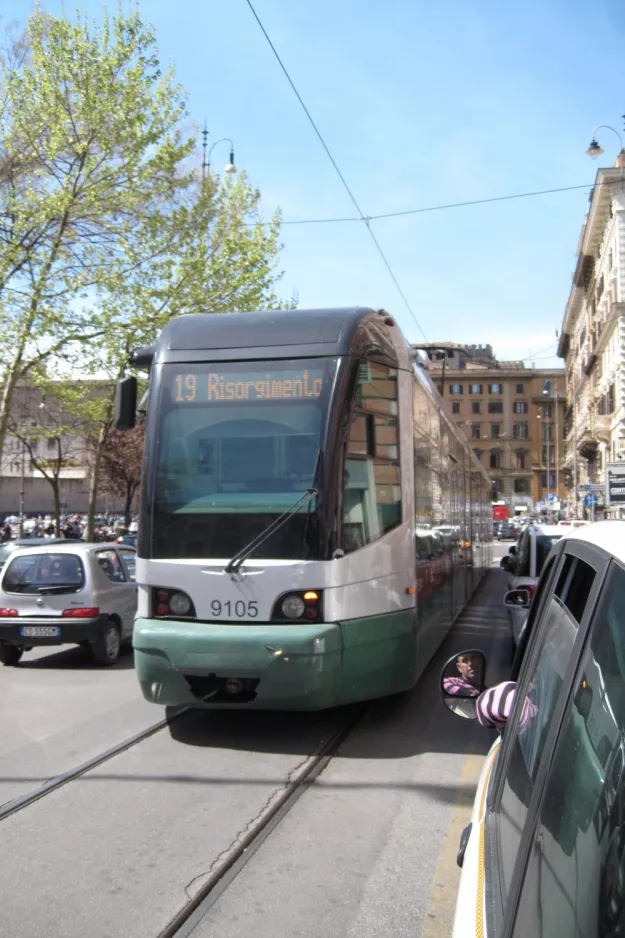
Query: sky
{"x": 421, "y": 104}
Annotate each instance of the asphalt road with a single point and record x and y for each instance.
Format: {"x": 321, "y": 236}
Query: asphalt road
{"x": 369, "y": 849}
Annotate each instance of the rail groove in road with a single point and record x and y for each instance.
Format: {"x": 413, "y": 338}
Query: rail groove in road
{"x": 230, "y": 864}
{"x": 57, "y": 781}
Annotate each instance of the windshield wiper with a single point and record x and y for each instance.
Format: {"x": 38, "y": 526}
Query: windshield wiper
{"x": 53, "y": 587}
{"x": 233, "y": 565}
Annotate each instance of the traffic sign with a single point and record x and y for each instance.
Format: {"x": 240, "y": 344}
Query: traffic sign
{"x": 586, "y": 487}
{"x": 615, "y": 483}
{"x": 590, "y": 500}
{"x": 551, "y": 497}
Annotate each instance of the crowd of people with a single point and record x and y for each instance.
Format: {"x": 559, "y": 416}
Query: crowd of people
{"x": 74, "y": 526}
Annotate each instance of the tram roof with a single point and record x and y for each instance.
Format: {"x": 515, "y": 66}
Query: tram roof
{"x": 268, "y": 334}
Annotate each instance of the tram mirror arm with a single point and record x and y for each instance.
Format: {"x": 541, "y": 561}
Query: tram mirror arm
{"x": 234, "y": 565}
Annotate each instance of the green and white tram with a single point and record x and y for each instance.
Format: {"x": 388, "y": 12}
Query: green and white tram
{"x": 311, "y": 519}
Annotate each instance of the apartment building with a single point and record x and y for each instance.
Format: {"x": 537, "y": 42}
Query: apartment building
{"x": 513, "y": 417}
{"x": 592, "y": 341}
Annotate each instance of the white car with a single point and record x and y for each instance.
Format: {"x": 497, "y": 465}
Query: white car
{"x": 528, "y": 557}
{"x": 68, "y": 593}
{"x": 544, "y": 853}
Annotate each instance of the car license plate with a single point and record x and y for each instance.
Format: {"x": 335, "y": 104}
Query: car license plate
{"x": 40, "y": 631}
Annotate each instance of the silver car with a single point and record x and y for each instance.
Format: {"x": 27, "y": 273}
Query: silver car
{"x": 68, "y": 593}
{"x": 529, "y": 556}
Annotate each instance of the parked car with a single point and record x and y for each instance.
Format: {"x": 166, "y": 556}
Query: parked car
{"x": 8, "y": 547}
{"x": 68, "y": 593}
{"x": 129, "y": 539}
{"x": 544, "y": 853}
{"x": 528, "y": 558}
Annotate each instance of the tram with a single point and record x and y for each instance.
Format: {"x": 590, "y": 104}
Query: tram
{"x": 311, "y": 520}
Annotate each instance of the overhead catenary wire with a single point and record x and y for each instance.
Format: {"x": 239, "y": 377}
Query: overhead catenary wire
{"x": 433, "y": 208}
{"x": 361, "y": 215}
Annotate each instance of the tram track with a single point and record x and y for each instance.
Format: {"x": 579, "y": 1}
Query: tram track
{"x": 9, "y": 808}
{"x": 229, "y": 864}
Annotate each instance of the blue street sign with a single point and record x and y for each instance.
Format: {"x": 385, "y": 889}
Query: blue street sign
{"x": 586, "y": 487}
{"x": 590, "y": 500}
{"x": 551, "y": 497}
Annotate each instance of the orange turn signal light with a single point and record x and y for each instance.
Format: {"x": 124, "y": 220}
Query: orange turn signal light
{"x": 311, "y": 595}
{"x": 410, "y": 590}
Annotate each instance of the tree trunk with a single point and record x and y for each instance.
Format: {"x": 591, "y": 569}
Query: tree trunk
{"x": 93, "y": 488}
{"x": 131, "y": 488}
{"x": 57, "y": 505}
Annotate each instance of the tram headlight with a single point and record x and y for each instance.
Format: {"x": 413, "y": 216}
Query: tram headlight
{"x": 293, "y": 606}
{"x": 179, "y": 604}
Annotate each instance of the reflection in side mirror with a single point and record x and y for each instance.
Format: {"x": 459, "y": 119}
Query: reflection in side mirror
{"x": 463, "y": 677}
{"x": 517, "y": 598}
{"x": 462, "y": 706}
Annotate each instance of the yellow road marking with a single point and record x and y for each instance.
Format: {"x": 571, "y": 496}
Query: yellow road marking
{"x": 440, "y": 915}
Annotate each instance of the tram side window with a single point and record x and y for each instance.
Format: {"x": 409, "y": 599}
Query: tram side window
{"x": 372, "y": 479}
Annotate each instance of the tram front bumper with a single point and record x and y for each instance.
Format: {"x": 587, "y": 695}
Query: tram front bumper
{"x": 232, "y": 666}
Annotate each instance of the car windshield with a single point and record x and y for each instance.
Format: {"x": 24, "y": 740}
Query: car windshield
{"x": 544, "y": 543}
{"x": 238, "y": 443}
{"x": 35, "y": 573}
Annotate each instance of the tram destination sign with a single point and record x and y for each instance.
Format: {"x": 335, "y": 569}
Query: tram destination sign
{"x": 615, "y": 483}
{"x": 279, "y": 385}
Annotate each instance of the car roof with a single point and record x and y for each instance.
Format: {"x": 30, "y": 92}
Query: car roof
{"x": 609, "y": 535}
{"x": 550, "y": 529}
{"x": 70, "y": 546}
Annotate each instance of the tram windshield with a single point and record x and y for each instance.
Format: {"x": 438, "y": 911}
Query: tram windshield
{"x": 236, "y": 443}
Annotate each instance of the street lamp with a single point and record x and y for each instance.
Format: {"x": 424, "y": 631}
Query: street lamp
{"x": 594, "y": 151}
{"x": 230, "y": 167}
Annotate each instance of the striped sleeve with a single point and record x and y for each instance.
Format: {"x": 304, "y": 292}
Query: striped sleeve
{"x": 495, "y": 705}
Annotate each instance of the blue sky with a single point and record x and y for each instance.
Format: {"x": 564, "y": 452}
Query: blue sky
{"x": 421, "y": 103}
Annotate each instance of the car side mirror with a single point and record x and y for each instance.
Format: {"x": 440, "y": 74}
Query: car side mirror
{"x": 126, "y": 403}
{"x": 516, "y": 598}
{"x": 462, "y": 681}
{"x": 513, "y": 551}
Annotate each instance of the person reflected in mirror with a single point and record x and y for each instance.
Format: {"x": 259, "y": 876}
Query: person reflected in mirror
{"x": 469, "y": 682}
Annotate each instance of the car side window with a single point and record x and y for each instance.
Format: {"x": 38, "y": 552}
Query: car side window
{"x": 537, "y": 695}
{"x": 111, "y": 565}
{"x": 578, "y": 855}
{"x": 130, "y": 563}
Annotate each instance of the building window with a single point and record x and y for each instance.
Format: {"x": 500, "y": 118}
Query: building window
{"x": 495, "y": 388}
{"x": 455, "y": 389}
{"x": 476, "y": 407}
{"x": 547, "y": 411}
{"x": 495, "y": 407}
{"x": 546, "y": 455}
{"x": 455, "y": 407}
{"x": 520, "y": 389}
{"x": 475, "y": 431}
{"x": 53, "y": 440}
{"x": 520, "y": 431}
{"x": 479, "y": 453}
{"x": 520, "y": 407}
{"x": 552, "y": 480}
{"x": 475, "y": 389}
{"x": 520, "y": 458}
{"x": 547, "y": 431}
{"x": 494, "y": 459}
{"x": 521, "y": 486}
{"x": 611, "y": 402}
{"x": 610, "y": 260}
{"x": 495, "y": 431}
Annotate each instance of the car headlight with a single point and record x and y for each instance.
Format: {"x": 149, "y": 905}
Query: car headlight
{"x": 293, "y": 607}
{"x": 179, "y": 604}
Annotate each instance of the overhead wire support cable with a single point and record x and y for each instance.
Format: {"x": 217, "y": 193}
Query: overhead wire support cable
{"x": 362, "y": 217}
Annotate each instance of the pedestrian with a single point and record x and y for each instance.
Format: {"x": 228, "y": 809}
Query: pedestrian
{"x": 5, "y": 533}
